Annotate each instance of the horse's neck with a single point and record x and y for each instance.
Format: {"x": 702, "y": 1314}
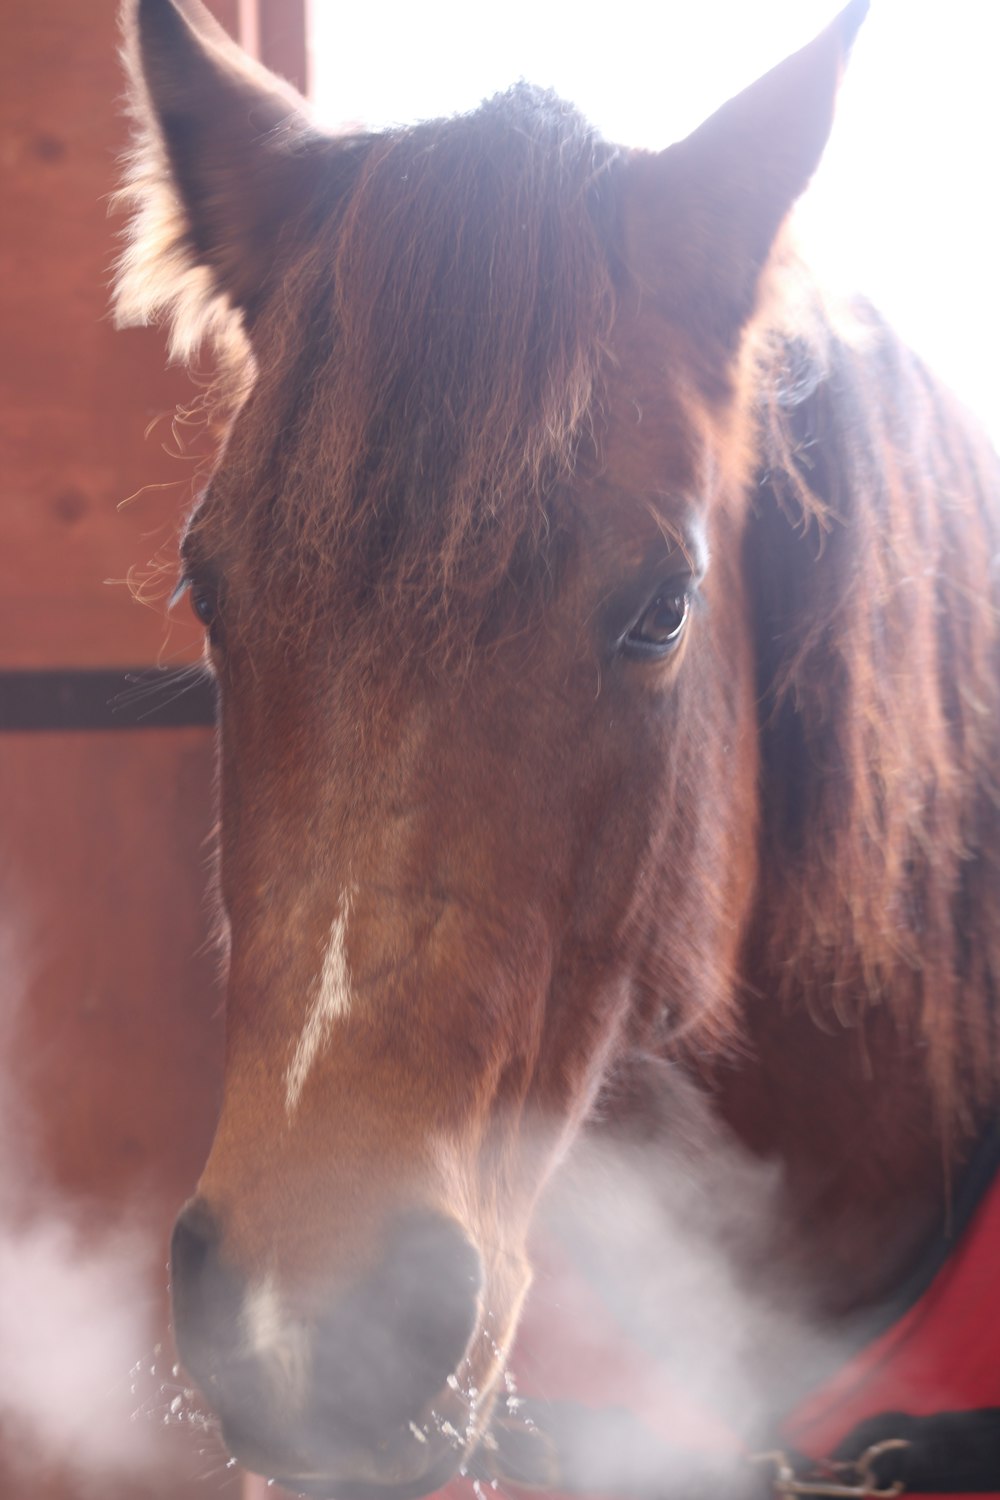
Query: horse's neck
{"x": 810, "y": 1165}
{"x": 847, "y": 1116}
{"x": 732, "y": 1230}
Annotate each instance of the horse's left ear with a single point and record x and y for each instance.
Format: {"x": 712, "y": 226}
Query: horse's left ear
{"x": 700, "y": 218}
{"x": 225, "y": 157}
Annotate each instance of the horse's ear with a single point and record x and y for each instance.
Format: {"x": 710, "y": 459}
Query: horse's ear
{"x": 700, "y": 218}
{"x": 224, "y": 158}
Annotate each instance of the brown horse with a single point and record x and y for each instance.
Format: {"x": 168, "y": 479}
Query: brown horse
{"x": 606, "y": 638}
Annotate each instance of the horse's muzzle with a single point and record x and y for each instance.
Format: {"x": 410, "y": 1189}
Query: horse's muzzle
{"x": 366, "y": 1389}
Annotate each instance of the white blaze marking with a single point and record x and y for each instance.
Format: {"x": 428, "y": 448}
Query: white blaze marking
{"x": 271, "y": 1337}
{"x": 262, "y": 1319}
{"x": 331, "y": 1001}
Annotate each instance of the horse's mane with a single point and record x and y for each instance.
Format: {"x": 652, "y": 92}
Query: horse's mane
{"x": 873, "y": 552}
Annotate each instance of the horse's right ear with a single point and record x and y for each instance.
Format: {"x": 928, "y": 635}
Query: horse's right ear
{"x": 224, "y": 158}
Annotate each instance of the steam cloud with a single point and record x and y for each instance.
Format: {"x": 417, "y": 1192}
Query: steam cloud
{"x": 676, "y": 1224}
{"x": 76, "y": 1310}
{"x": 73, "y": 1315}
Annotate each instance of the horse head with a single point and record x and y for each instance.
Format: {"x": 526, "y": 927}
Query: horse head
{"x": 471, "y": 575}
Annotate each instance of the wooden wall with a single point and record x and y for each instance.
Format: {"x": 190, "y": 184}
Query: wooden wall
{"x": 109, "y": 1007}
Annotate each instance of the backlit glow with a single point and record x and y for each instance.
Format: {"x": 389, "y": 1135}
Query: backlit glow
{"x": 903, "y": 207}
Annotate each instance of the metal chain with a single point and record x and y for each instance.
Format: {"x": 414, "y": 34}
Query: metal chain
{"x": 841, "y": 1481}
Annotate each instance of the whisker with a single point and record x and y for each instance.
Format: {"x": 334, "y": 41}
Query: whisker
{"x": 159, "y": 692}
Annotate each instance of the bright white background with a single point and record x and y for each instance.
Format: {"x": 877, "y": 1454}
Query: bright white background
{"x": 906, "y": 206}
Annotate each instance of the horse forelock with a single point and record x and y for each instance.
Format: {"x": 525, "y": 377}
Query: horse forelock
{"x": 429, "y": 373}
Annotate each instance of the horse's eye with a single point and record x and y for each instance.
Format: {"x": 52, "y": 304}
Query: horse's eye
{"x": 660, "y": 626}
{"x": 203, "y": 603}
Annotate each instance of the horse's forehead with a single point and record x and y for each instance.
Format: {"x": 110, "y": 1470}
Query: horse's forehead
{"x": 645, "y": 474}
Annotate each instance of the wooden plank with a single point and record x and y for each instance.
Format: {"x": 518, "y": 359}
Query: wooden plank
{"x": 76, "y": 398}
{"x": 96, "y": 482}
{"x": 111, "y": 1016}
{"x": 230, "y": 14}
{"x": 283, "y": 34}
{"x": 104, "y": 869}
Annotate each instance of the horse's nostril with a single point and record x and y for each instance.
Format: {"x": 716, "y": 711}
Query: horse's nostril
{"x": 388, "y": 1348}
{"x": 431, "y": 1279}
{"x": 196, "y": 1233}
{"x": 206, "y": 1295}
